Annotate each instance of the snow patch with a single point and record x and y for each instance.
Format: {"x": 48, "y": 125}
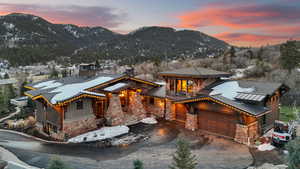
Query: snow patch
{"x": 8, "y": 26}
{"x": 71, "y": 90}
{"x": 229, "y": 89}
{"x": 48, "y": 84}
{"x": 149, "y": 120}
{"x": 114, "y": 87}
{"x": 265, "y": 147}
{"x": 101, "y": 134}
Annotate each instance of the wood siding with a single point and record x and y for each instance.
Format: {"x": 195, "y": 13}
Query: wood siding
{"x": 47, "y": 114}
{"x": 75, "y": 114}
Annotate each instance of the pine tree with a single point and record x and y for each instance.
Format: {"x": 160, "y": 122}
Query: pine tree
{"x": 232, "y": 52}
{"x": 138, "y": 164}
{"x": 183, "y": 158}
{"x": 23, "y": 89}
{"x": 293, "y": 148}
{"x": 64, "y": 73}
{"x": 56, "y": 163}
{"x": 54, "y": 73}
{"x": 290, "y": 56}
{"x": 6, "y": 76}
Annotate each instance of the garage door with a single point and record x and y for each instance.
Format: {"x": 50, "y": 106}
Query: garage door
{"x": 222, "y": 124}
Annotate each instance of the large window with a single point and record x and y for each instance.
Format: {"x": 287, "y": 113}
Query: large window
{"x": 184, "y": 86}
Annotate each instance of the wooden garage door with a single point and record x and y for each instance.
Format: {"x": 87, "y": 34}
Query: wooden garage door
{"x": 222, "y": 124}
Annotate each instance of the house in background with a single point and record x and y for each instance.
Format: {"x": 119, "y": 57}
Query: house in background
{"x": 197, "y": 97}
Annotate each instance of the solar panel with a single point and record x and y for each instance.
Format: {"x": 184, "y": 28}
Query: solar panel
{"x": 249, "y": 96}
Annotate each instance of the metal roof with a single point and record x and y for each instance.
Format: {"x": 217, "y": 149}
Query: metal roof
{"x": 195, "y": 72}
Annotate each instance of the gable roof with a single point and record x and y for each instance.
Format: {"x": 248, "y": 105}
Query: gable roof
{"x": 234, "y": 94}
{"x": 252, "y": 110}
{"x": 57, "y": 91}
{"x": 195, "y": 72}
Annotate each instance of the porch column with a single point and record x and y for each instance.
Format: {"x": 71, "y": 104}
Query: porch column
{"x": 246, "y": 133}
{"x": 136, "y": 106}
{"x": 191, "y": 122}
{"x": 170, "y": 110}
{"x": 114, "y": 115}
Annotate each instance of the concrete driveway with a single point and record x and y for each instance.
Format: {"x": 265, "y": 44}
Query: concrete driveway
{"x": 156, "y": 152}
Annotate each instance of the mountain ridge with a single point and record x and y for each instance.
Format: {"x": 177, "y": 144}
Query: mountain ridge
{"x": 25, "y": 34}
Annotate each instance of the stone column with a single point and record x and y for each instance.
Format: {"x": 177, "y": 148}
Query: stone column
{"x": 191, "y": 122}
{"x": 170, "y": 111}
{"x": 114, "y": 115}
{"x": 136, "y": 106}
{"x": 241, "y": 134}
{"x": 245, "y": 134}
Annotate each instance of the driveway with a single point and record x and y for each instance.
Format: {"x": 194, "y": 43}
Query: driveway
{"x": 156, "y": 152}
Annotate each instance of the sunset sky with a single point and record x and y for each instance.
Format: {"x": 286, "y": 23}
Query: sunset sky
{"x": 244, "y": 23}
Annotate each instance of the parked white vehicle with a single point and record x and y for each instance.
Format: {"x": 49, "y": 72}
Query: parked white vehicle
{"x": 283, "y": 132}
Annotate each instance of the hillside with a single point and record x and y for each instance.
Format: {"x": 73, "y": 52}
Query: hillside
{"x": 27, "y": 39}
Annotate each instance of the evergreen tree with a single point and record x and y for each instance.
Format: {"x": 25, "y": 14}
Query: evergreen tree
{"x": 64, "y": 73}
{"x": 97, "y": 64}
{"x": 54, "y": 73}
{"x": 290, "y": 56}
{"x": 293, "y": 148}
{"x": 260, "y": 53}
{"x": 138, "y": 164}
{"x": 183, "y": 158}
{"x": 23, "y": 89}
{"x": 56, "y": 163}
{"x": 232, "y": 52}
{"x": 6, "y": 76}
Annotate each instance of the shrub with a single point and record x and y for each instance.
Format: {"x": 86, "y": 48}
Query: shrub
{"x": 293, "y": 148}
{"x": 56, "y": 163}
{"x": 138, "y": 164}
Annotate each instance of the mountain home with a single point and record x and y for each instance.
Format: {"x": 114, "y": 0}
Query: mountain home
{"x": 197, "y": 97}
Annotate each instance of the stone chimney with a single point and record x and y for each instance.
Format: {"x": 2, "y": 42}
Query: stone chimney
{"x": 87, "y": 70}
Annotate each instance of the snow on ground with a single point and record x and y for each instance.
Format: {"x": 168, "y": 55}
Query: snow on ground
{"x": 265, "y": 147}
{"x": 101, "y": 134}
{"x": 240, "y": 73}
{"x": 229, "y": 89}
{"x": 149, "y": 120}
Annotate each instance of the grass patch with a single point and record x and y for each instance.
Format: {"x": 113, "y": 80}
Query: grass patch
{"x": 287, "y": 113}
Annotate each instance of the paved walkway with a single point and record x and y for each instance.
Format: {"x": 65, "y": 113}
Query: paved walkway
{"x": 18, "y": 110}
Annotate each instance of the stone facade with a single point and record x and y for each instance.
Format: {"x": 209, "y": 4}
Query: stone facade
{"x": 156, "y": 109}
{"x": 114, "y": 115}
{"x": 246, "y": 134}
{"x": 136, "y": 106}
{"x": 170, "y": 111}
{"x": 191, "y": 122}
{"x": 77, "y": 127}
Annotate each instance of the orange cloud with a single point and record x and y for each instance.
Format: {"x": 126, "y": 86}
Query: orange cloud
{"x": 247, "y": 39}
{"x": 79, "y": 15}
{"x": 261, "y": 21}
